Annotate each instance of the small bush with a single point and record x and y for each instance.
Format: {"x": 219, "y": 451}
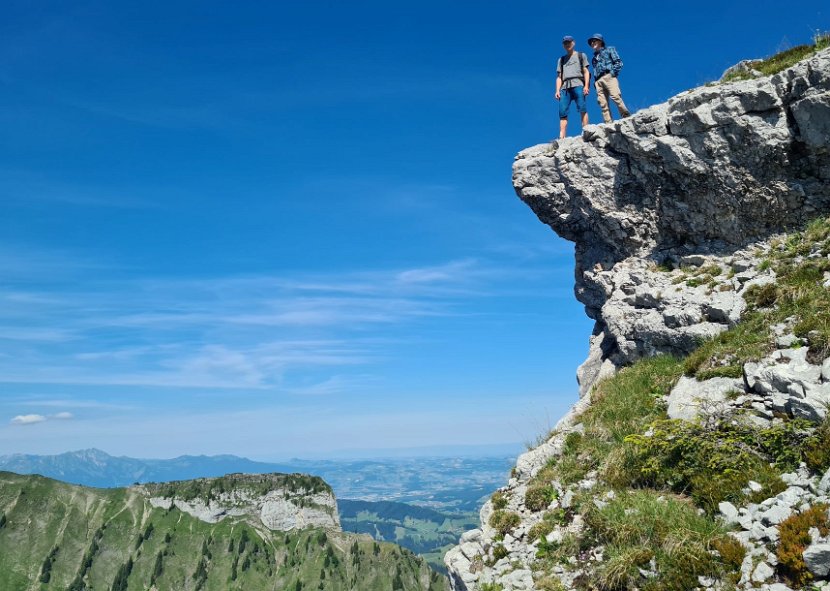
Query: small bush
{"x": 639, "y": 527}
{"x": 817, "y": 449}
{"x": 726, "y": 353}
{"x": 504, "y": 521}
{"x": 549, "y": 584}
{"x": 540, "y": 530}
{"x": 731, "y": 551}
{"x": 715, "y": 462}
{"x": 499, "y": 500}
{"x": 761, "y": 296}
{"x": 499, "y": 552}
{"x": 550, "y": 520}
{"x": 539, "y": 497}
{"x": 794, "y": 539}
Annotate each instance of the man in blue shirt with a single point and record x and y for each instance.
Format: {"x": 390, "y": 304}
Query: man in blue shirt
{"x": 607, "y": 65}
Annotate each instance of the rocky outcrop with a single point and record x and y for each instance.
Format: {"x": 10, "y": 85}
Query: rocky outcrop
{"x": 672, "y": 212}
{"x": 279, "y": 502}
{"x": 707, "y": 173}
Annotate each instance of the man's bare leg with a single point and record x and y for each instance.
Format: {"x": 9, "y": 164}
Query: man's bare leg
{"x": 563, "y": 128}
{"x": 584, "y": 119}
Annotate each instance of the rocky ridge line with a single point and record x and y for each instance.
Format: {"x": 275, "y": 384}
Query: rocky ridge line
{"x": 279, "y": 502}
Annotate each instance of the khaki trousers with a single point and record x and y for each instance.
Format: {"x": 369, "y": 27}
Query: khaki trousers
{"x": 609, "y": 87}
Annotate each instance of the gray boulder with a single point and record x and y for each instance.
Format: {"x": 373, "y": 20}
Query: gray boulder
{"x": 689, "y": 397}
{"x": 817, "y": 559}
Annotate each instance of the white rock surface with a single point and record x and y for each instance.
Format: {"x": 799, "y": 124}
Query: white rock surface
{"x": 279, "y": 509}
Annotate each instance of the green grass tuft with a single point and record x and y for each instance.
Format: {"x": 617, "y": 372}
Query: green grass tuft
{"x": 647, "y": 530}
{"x": 785, "y": 59}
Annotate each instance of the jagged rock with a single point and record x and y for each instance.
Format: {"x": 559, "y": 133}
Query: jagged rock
{"x": 817, "y": 559}
{"x": 742, "y": 67}
{"x": 689, "y": 397}
{"x": 471, "y": 536}
{"x": 713, "y": 169}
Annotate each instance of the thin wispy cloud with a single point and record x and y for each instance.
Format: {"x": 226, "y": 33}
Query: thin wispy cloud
{"x": 33, "y": 419}
{"x": 28, "y": 419}
{"x": 257, "y": 332}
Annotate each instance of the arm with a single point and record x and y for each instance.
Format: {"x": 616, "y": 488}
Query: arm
{"x": 616, "y": 62}
{"x": 587, "y": 77}
{"x": 558, "y": 78}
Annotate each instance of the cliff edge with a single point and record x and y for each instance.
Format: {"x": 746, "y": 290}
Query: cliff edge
{"x": 697, "y": 456}
{"x": 708, "y": 172}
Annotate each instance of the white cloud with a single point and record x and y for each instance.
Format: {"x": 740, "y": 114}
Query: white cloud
{"x": 245, "y": 332}
{"x": 36, "y": 418}
{"x": 28, "y": 419}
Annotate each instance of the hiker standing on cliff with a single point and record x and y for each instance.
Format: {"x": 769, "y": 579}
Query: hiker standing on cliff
{"x": 607, "y": 65}
{"x": 572, "y": 78}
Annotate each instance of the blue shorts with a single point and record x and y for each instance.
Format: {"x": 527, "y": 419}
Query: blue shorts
{"x": 571, "y": 95}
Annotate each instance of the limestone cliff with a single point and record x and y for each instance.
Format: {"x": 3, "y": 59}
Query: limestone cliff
{"x": 708, "y": 172}
{"x": 280, "y": 502}
{"x": 675, "y": 214}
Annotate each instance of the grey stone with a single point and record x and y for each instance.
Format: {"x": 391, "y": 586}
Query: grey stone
{"x": 729, "y": 512}
{"x": 776, "y": 514}
{"x": 755, "y": 487}
{"x": 762, "y": 573}
{"x": 689, "y": 397}
{"x": 812, "y": 114}
{"x": 817, "y": 559}
{"x": 824, "y": 484}
{"x": 471, "y": 536}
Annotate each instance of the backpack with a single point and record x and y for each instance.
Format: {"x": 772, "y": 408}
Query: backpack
{"x": 583, "y": 63}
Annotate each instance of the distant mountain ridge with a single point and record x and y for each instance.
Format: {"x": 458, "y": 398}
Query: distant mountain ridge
{"x": 454, "y": 484}
{"x": 93, "y": 467}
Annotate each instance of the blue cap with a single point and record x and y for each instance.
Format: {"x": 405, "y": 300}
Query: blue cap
{"x": 567, "y": 39}
{"x": 596, "y": 36}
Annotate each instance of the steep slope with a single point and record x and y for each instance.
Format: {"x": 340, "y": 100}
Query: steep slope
{"x": 696, "y": 456}
{"x": 211, "y": 534}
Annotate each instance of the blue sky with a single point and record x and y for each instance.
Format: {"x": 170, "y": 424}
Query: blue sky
{"x": 287, "y": 229}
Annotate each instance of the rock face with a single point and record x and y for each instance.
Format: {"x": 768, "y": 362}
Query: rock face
{"x": 707, "y": 173}
{"x": 672, "y": 212}
{"x": 280, "y": 502}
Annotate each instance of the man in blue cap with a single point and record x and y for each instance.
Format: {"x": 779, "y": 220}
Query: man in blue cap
{"x": 572, "y": 78}
{"x": 607, "y": 65}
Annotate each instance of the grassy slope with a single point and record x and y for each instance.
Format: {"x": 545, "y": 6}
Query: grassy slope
{"x": 110, "y": 526}
{"x": 668, "y": 484}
